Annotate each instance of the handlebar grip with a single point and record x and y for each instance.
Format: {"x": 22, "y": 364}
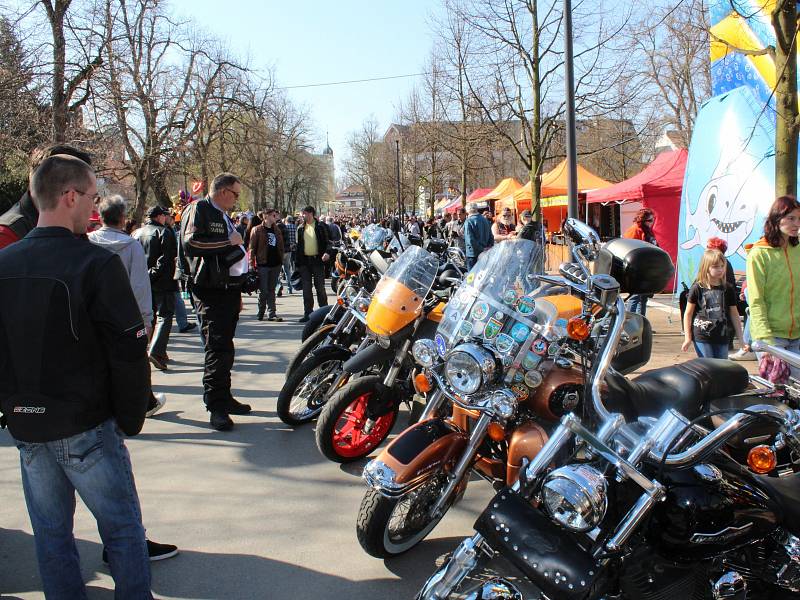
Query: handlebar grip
{"x": 573, "y": 273}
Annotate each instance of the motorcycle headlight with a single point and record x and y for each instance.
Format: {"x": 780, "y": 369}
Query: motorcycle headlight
{"x": 504, "y": 404}
{"x": 468, "y": 367}
{"x": 575, "y": 497}
{"x": 424, "y": 352}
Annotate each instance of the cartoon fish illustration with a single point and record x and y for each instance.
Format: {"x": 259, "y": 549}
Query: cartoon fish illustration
{"x": 728, "y": 203}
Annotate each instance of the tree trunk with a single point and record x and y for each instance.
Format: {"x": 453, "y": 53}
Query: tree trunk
{"x": 58, "y": 101}
{"x": 536, "y": 125}
{"x": 784, "y": 21}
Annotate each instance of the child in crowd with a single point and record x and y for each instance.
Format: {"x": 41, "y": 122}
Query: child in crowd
{"x": 710, "y": 309}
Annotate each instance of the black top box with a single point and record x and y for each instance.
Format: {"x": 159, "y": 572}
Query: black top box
{"x": 639, "y": 267}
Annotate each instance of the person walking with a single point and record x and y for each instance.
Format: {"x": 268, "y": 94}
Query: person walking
{"x": 711, "y": 310}
{"x": 641, "y": 229}
{"x": 266, "y": 256}
{"x": 773, "y": 284}
{"x": 216, "y": 262}
{"x": 181, "y": 315}
{"x": 161, "y": 251}
{"x": 88, "y": 328}
{"x": 286, "y": 266}
{"x": 313, "y": 250}
{"x": 455, "y": 230}
{"x": 477, "y": 236}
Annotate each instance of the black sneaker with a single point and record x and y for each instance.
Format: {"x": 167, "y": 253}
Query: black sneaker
{"x": 220, "y": 421}
{"x": 234, "y": 407}
{"x": 188, "y": 327}
{"x": 274, "y": 318}
{"x": 260, "y": 316}
{"x": 155, "y": 551}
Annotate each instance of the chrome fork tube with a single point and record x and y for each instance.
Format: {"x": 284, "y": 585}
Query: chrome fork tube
{"x": 442, "y": 583}
{"x": 433, "y": 404}
{"x": 464, "y": 462}
{"x": 546, "y": 455}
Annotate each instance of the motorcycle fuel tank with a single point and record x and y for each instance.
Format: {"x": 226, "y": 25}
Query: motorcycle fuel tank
{"x": 710, "y": 509}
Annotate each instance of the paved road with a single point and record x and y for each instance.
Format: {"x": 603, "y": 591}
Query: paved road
{"x": 257, "y": 512}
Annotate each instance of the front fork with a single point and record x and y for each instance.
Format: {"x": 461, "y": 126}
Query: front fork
{"x": 462, "y": 563}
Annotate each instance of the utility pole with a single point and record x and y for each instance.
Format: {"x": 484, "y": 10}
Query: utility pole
{"x": 397, "y": 173}
{"x": 572, "y": 153}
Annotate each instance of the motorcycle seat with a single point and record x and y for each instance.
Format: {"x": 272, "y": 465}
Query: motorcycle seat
{"x": 688, "y": 387}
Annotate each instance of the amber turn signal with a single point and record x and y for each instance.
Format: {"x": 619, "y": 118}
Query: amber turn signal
{"x": 496, "y": 431}
{"x": 761, "y": 459}
{"x": 422, "y": 384}
{"x": 577, "y": 329}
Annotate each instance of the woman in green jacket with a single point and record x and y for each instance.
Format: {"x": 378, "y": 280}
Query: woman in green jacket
{"x": 773, "y": 278}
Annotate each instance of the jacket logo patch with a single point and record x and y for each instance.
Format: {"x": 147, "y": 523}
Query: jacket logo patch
{"x": 141, "y": 333}
{"x": 30, "y": 410}
{"x": 217, "y": 228}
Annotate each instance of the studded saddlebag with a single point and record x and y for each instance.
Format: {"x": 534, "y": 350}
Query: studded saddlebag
{"x": 545, "y": 553}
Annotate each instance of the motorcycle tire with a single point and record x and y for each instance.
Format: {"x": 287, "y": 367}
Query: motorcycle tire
{"x": 375, "y": 518}
{"x": 340, "y": 427}
{"x": 311, "y": 343}
{"x": 305, "y": 391}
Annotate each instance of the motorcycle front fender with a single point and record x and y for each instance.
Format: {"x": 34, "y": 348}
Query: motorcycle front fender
{"x": 418, "y": 452}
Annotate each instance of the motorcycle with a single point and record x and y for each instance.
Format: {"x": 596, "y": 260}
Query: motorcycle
{"x": 641, "y": 497}
{"x": 407, "y": 305}
{"x": 491, "y": 403}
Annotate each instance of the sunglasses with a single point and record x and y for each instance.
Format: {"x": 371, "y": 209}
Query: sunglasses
{"x": 95, "y": 199}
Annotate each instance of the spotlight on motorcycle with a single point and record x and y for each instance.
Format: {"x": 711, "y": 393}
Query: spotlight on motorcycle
{"x": 575, "y": 497}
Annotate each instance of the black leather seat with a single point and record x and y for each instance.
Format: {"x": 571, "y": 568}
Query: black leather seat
{"x": 688, "y": 387}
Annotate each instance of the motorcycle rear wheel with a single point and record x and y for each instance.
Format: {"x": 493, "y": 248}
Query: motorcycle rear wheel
{"x": 305, "y": 391}
{"x": 341, "y": 435}
{"x": 311, "y": 343}
{"x": 391, "y": 526}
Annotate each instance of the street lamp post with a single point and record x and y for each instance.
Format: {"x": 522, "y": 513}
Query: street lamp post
{"x": 572, "y": 153}
{"x": 397, "y": 173}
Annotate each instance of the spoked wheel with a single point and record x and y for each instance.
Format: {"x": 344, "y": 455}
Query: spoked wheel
{"x": 306, "y": 390}
{"x": 344, "y": 430}
{"x": 390, "y": 526}
{"x": 311, "y": 343}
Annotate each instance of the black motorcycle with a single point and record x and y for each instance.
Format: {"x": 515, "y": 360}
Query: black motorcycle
{"x": 673, "y": 485}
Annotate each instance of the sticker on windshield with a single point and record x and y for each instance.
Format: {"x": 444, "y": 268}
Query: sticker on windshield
{"x": 519, "y": 377}
{"x": 465, "y": 329}
{"x": 525, "y": 305}
{"x": 533, "y": 379}
{"x": 504, "y": 343}
{"x": 520, "y": 332}
{"x": 540, "y": 347}
{"x": 520, "y": 391}
{"x": 553, "y": 349}
{"x": 510, "y": 297}
{"x": 493, "y": 327}
{"x": 561, "y": 323}
{"x": 480, "y": 311}
{"x": 531, "y": 360}
{"x": 441, "y": 345}
{"x": 480, "y": 277}
{"x": 470, "y": 278}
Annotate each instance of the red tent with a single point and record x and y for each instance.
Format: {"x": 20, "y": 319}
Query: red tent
{"x": 477, "y": 194}
{"x": 657, "y": 187}
{"x": 453, "y": 206}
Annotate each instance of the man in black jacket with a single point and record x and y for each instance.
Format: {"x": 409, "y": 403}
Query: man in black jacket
{"x": 215, "y": 261}
{"x": 160, "y": 250}
{"x": 73, "y": 378}
{"x": 313, "y": 251}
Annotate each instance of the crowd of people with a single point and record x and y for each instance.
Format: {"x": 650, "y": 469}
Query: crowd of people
{"x": 88, "y": 300}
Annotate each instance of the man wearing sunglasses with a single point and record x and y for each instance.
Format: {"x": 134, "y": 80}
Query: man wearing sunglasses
{"x": 214, "y": 257}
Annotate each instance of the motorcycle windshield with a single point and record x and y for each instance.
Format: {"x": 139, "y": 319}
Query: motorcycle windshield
{"x": 400, "y": 293}
{"x": 502, "y": 306}
{"x": 400, "y": 245}
{"x": 373, "y": 237}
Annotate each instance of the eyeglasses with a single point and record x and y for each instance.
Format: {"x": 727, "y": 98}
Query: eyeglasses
{"x": 235, "y": 194}
{"x": 95, "y": 200}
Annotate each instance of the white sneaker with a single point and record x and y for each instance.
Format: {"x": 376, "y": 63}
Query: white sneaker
{"x": 161, "y": 400}
{"x": 742, "y": 354}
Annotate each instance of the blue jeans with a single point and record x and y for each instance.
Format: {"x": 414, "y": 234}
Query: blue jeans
{"x": 96, "y": 464}
{"x": 288, "y": 267}
{"x": 638, "y": 304}
{"x": 709, "y": 350}
{"x": 181, "y": 318}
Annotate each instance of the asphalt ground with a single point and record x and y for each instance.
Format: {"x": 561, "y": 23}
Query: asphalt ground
{"x": 257, "y": 512}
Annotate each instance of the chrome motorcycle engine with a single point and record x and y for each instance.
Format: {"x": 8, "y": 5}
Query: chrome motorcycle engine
{"x": 783, "y": 565}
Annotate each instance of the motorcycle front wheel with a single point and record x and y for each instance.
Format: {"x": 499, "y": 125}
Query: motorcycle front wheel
{"x": 390, "y": 526}
{"x": 344, "y": 431}
{"x": 311, "y": 343}
{"x": 306, "y": 389}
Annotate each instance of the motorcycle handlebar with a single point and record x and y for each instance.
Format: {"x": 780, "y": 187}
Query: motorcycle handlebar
{"x": 786, "y": 356}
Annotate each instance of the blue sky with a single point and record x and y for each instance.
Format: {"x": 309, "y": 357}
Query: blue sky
{"x": 315, "y": 42}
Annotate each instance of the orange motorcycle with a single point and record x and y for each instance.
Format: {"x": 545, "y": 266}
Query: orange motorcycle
{"x": 498, "y": 379}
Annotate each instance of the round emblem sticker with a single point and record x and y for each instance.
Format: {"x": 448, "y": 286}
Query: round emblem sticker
{"x": 553, "y": 349}
{"x": 525, "y": 305}
{"x": 520, "y": 391}
{"x": 520, "y": 332}
{"x": 480, "y": 311}
{"x": 441, "y": 345}
{"x": 519, "y": 377}
{"x": 470, "y": 277}
{"x": 504, "y": 343}
{"x": 533, "y": 379}
{"x": 493, "y": 327}
{"x": 531, "y": 360}
{"x": 540, "y": 347}
{"x": 465, "y": 329}
{"x": 510, "y": 297}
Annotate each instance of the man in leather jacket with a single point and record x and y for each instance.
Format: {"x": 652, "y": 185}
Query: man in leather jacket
{"x": 213, "y": 257}
{"x": 160, "y": 249}
{"x": 18, "y": 220}
{"x": 73, "y": 378}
